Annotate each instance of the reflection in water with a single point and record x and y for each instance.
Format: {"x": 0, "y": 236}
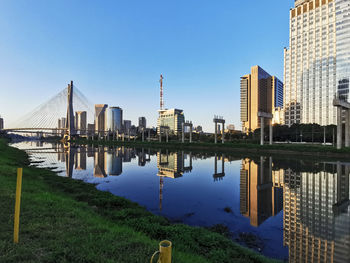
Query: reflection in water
{"x": 107, "y": 162}
{"x": 100, "y": 162}
{"x": 69, "y": 156}
{"x": 316, "y": 216}
{"x": 260, "y": 196}
{"x": 80, "y": 159}
{"x": 143, "y": 157}
{"x": 219, "y": 176}
{"x": 171, "y": 165}
{"x": 115, "y": 162}
{"x": 314, "y": 196}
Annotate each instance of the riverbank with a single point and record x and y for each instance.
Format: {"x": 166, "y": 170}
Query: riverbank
{"x": 287, "y": 150}
{"x": 71, "y": 221}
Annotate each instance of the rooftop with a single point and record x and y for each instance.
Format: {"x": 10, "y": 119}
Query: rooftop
{"x": 300, "y": 2}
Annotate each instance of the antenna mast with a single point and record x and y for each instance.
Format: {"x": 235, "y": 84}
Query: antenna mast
{"x": 161, "y": 92}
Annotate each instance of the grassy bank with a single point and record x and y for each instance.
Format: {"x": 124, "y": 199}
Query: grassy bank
{"x": 63, "y": 220}
{"x": 310, "y": 150}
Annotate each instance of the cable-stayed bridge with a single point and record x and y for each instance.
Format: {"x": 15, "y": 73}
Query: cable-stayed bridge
{"x": 45, "y": 117}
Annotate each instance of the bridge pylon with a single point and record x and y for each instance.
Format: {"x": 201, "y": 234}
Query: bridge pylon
{"x": 71, "y": 132}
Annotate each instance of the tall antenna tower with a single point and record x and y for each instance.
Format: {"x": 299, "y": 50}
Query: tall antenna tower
{"x": 161, "y": 93}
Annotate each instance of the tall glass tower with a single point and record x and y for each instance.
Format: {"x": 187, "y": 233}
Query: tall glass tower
{"x": 317, "y": 63}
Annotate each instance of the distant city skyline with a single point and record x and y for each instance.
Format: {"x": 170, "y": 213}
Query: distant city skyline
{"x": 115, "y": 52}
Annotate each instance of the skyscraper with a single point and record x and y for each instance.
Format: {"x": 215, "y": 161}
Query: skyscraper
{"x": 317, "y": 63}
{"x": 127, "y": 125}
{"x": 142, "y": 122}
{"x": 100, "y": 117}
{"x": 259, "y": 92}
{"x": 114, "y": 119}
{"x": 81, "y": 122}
{"x": 1, "y": 123}
{"x": 62, "y": 124}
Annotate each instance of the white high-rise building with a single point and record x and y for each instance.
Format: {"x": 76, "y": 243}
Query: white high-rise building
{"x": 172, "y": 119}
{"x": 100, "y": 117}
{"x": 317, "y": 63}
{"x": 81, "y": 122}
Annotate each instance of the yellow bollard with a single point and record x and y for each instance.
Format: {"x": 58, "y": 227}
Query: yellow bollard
{"x": 164, "y": 252}
{"x": 18, "y": 204}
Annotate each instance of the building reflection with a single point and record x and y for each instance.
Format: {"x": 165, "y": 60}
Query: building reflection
{"x": 128, "y": 154}
{"x": 115, "y": 162}
{"x": 260, "y": 196}
{"x": 90, "y": 151}
{"x": 144, "y": 157}
{"x": 109, "y": 161}
{"x": 80, "y": 159}
{"x": 100, "y": 162}
{"x": 172, "y": 165}
{"x": 316, "y": 218}
{"x": 61, "y": 157}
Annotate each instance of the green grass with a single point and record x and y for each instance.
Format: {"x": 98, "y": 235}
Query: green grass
{"x": 63, "y": 220}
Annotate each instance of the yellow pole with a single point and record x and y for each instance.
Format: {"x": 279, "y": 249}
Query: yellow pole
{"x": 164, "y": 252}
{"x": 18, "y": 204}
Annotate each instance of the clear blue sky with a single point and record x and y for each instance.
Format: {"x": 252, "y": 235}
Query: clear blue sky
{"x": 115, "y": 51}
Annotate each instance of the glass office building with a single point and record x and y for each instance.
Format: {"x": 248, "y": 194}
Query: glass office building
{"x": 317, "y": 63}
{"x": 260, "y": 92}
{"x": 114, "y": 119}
{"x": 172, "y": 119}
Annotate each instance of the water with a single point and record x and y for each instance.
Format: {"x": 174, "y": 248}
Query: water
{"x": 294, "y": 210}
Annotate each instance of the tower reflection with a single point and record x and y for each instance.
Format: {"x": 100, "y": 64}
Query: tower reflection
{"x": 171, "y": 165}
{"x": 69, "y": 153}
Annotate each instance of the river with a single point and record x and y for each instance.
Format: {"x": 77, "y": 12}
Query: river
{"x": 289, "y": 209}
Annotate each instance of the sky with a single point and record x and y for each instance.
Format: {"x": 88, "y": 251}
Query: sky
{"x": 115, "y": 51}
